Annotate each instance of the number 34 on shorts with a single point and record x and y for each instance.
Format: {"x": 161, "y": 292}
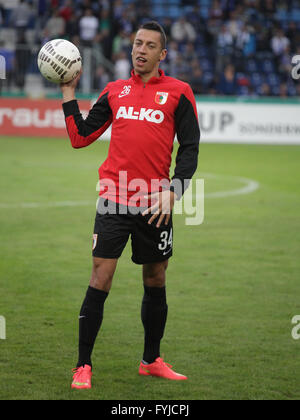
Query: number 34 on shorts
{"x": 166, "y": 241}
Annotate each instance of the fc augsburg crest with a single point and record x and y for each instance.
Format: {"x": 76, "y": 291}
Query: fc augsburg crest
{"x": 161, "y": 97}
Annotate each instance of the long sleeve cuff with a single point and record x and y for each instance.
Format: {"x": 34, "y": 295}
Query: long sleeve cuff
{"x": 179, "y": 186}
{"x": 70, "y": 108}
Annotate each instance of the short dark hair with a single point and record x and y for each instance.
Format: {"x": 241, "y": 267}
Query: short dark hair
{"x": 155, "y": 26}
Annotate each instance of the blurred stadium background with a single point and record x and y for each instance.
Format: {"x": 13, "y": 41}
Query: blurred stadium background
{"x": 233, "y": 283}
{"x": 221, "y": 47}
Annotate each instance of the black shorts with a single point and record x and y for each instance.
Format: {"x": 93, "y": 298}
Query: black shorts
{"x": 114, "y": 223}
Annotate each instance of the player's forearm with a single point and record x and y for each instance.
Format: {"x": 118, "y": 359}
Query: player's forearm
{"x": 68, "y": 94}
{"x": 68, "y": 89}
{"x": 186, "y": 165}
{"x": 83, "y": 132}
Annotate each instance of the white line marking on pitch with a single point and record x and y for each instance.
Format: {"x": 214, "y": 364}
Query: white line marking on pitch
{"x": 249, "y": 187}
{"x": 49, "y": 204}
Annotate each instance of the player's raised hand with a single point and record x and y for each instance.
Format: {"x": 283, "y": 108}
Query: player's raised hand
{"x": 68, "y": 89}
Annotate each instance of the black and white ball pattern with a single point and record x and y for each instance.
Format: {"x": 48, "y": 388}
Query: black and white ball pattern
{"x": 59, "y": 61}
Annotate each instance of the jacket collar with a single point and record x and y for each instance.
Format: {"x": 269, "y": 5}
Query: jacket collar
{"x": 137, "y": 77}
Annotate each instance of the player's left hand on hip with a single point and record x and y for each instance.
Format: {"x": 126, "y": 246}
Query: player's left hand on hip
{"x": 162, "y": 204}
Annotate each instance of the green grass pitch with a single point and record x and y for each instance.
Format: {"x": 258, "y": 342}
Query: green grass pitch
{"x": 233, "y": 282}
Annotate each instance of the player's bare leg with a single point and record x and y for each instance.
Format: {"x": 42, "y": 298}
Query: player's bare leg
{"x": 102, "y": 273}
{"x": 154, "y": 274}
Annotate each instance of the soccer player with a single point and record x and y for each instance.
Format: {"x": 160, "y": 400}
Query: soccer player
{"x": 136, "y": 195}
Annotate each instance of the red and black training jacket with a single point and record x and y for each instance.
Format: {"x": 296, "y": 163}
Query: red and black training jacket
{"x": 145, "y": 119}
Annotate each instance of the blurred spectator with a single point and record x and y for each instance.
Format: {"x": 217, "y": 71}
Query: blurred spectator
{"x": 84, "y": 5}
{"x": 20, "y": 18}
{"x": 268, "y": 8}
{"x": 8, "y": 6}
{"x": 225, "y": 40}
{"x": 181, "y": 30}
{"x": 41, "y": 7}
{"x": 72, "y": 26}
{"x": 118, "y": 9}
{"x": 104, "y": 33}
{"x": 245, "y": 47}
{"x": 293, "y": 34}
{"x": 66, "y": 11}
{"x": 130, "y": 13}
{"x": 88, "y": 27}
{"x": 265, "y": 90}
{"x": 228, "y": 6}
{"x": 125, "y": 22}
{"x": 172, "y": 50}
{"x": 105, "y": 23}
{"x": 121, "y": 42}
{"x": 122, "y": 66}
{"x": 193, "y": 16}
{"x": 285, "y": 64}
{"x": 283, "y": 90}
{"x": 179, "y": 67}
{"x": 189, "y": 53}
{"x": 235, "y": 24}
{"x": 167, "y": 24}
{"x": 279, "y": 43}
{"x": 54, "y": 4}
{"x": 263, "y": 38}
{"x": 8, "y": 56}
{"x": 204, "y": 39}
{"x": 246, "y": 41}
{"x": 216, "y": 12}
{"x": 22, "y": 60}
{"x": 228, "y": 81}
{"x": 224, "y": 48}
{"x": 196, "y": 80}
{"x": 55, "y": 26}
{"x": 101, "y": 78}
{"x": 211, "y": 31}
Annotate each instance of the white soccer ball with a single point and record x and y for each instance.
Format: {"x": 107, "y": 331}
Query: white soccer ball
{"x": 59, "y": 61}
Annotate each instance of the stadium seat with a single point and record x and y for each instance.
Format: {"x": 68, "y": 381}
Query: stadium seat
{"x": 292, "y": 90}
{"x": 204, "y": 11}
{"x": 204, "y": 3}
{"x": 243, "y": 90}
{"x": 256, "y": 79}
{"x": 174, "y": 12}
{"x": 282, "y": 15}
{"x": 206, "y": 64}
{"x": 8, "y": 37}
{"x": 275, "y": 90}
{"x": 295, "y": 15}
{"x": 267, "y": 66}
{"x": 158, "y": 12}
{"x": 207, "y": 77}
{"x": 201, "y": 51}
{"x": 273, "y": 79}
{"x": 9, "y": 56}
{"x": 252, "y": 65}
